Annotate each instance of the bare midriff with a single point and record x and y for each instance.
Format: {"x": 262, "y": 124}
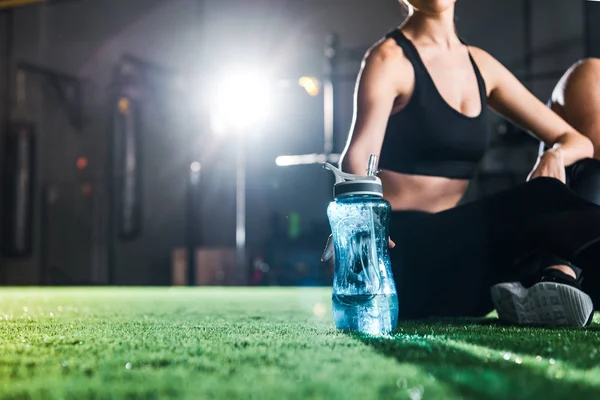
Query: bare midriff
{"x": 421, "y": 193}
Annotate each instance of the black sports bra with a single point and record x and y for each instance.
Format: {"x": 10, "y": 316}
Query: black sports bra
{"x": 428, "y": 137}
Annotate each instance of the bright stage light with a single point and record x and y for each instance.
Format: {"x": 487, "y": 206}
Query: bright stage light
{"x": 240, "y": 101}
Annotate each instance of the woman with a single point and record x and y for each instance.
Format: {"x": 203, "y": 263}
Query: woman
{"x": 421, "y": 104}
{"x": 576, "y": 98}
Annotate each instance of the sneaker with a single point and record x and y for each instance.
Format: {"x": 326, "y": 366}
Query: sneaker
{"x": 556, "y": 300}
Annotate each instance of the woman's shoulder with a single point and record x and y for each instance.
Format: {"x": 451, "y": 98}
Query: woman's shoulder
{"x": 587, "y": 67}
{"x": 490, "y": 68}
{"x": 386, "y": 65}
{"x": 386, "y": 53}
{"x": 481, "y": 57}
{"x": 385, "y": 49}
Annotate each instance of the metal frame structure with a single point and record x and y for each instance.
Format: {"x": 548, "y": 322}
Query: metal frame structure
{"x": 68, "y": 87}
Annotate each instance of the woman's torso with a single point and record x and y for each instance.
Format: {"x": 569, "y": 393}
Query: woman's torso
{"x": 437, "y": 135}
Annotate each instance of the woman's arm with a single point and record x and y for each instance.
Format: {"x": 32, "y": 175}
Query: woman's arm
{"x": 380, "y": 83}
{"x": 579, "y": 96}
{"x": 511, "y": 99}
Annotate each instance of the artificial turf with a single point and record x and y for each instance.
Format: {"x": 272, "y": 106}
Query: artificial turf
{"x": 208, "y": 343}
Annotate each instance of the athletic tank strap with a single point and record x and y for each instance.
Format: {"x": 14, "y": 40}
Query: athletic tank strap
{"x": 480, "y": 80}
{"x": 410, "y": 51}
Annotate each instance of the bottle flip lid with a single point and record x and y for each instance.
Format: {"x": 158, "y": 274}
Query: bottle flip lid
{"x": 349, "y": 184}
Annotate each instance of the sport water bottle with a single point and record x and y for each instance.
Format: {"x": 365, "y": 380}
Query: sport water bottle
{"x": 364, "y": 294}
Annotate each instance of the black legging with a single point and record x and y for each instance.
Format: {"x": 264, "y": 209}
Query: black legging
{"x": 445, "y": 263}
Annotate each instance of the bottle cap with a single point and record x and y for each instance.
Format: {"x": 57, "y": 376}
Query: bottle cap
{"x": 350, "y": 184}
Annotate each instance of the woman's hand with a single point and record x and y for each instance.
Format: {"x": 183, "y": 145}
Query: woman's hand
{"x": 329, "y": 254}
{"x": 550, "y": 164}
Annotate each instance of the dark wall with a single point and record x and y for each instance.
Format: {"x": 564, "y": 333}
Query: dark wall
{"x": 592, "y": 14}
{"x": 87, "y": 38}
{"x": 558, "y": 39}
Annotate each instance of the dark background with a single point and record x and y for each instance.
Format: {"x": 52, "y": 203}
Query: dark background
{"x": 176, "y": 48}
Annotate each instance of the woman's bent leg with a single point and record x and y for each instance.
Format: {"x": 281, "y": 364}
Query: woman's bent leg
{"x": 444, "y": 264}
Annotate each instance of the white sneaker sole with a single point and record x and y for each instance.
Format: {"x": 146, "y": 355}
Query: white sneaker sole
{"x": 545, "y": 303}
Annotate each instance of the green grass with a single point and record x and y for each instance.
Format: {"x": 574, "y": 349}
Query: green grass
{"x": 189, "y": 343}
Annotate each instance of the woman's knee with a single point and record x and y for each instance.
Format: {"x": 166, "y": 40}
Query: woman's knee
{"x": 546, "y": 185}
{"x": 551, "y": 195}
{"x": 583, "y": 178}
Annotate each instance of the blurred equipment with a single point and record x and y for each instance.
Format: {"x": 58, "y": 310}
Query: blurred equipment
{"x": 18, "y": 190}
{"x": 126, "y": 166}
{"x": 67, "y": 209}
{"x": 193, "y": 218}
{"x": 240, "y": 105}
{"x": 213, "y": 267}
{"x": 217, "y": 267}
{"x": 329, "y": 121}
{"x": 73, "y": 232}
{"x": 179, "y": 267}
{"x": 148, "y": 142}
{"x": 67, "y": 87}
{"x": 19, "y": 178}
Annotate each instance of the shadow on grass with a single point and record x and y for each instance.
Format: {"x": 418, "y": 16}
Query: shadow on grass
{"x": 577, "y": 346}
{"x": 474, "y": 370}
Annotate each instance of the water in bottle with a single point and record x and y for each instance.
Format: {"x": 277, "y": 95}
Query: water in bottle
{"x": 364, "y": 294}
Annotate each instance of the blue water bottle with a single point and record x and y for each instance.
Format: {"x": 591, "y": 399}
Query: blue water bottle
{"x": 364, "y": 294}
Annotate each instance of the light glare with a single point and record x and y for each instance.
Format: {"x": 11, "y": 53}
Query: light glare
{"x": 303, "y": 159}
{"x": 310, "y": 84}
{"x": 195, "y": 166}
{"x": 241, "y": 101}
